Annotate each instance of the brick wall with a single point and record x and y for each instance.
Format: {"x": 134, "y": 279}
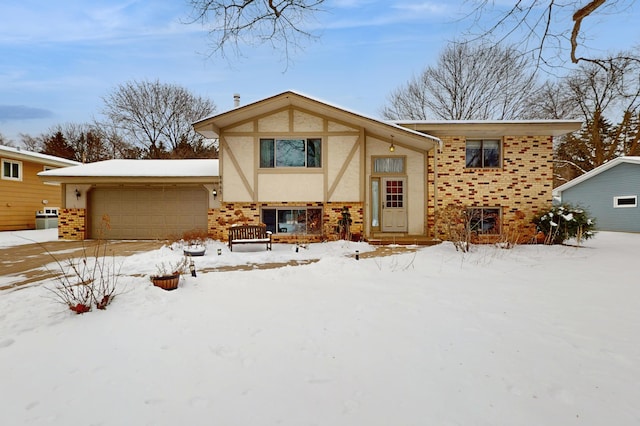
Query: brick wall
{"x": 72, "y": 224}
{"x": 220, "y": 220}
{"x": 521, "y": 187}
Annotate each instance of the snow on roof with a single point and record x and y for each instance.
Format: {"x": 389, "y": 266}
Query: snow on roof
{"x": 596, "y": 171}
{"x": 141, "y": 168}
{"x": 36, "y": 156}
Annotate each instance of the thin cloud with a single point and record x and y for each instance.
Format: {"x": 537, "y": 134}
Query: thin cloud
{"x": 423, "y": 7}
{"x": 397, "y": 13}
{"x": 21, "y": 112}
{"x": 89, "y": 22}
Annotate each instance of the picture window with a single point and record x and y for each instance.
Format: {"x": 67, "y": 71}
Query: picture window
{"x": 291, "y": 153}
{"x": 296, "y": 220}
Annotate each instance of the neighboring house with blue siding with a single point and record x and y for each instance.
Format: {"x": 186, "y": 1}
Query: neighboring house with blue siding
{"x": 609, "y": 192}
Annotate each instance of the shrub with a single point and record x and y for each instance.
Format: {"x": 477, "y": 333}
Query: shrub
{"x": 563, "y": 222}
{"x": 88, "y": 281}
{"x": 453, "y": 224}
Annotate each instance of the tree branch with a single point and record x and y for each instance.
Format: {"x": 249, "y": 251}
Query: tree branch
{"x": 578, "y": 16}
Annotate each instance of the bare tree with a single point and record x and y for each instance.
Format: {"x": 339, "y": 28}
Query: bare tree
{"x": 469, "y": 82}
{"x": 545, "y": 28}
{"x": 553, "y": 101}
{"x": 155, "y": 116}
{"x": 32, "y": 143}
{"x": 5, "y": 141}
{"x": 85, "y": 140}
{"x": 603, "y": 94}
{"x": 232, "y": 23}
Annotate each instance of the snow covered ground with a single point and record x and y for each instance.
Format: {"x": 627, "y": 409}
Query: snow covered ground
{"x": 536, "y": 335}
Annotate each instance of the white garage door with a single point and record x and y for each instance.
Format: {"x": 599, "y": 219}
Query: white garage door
{"x": 143, "y": 213}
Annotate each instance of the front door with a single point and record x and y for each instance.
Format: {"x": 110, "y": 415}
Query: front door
{"x": 394, "y": 205}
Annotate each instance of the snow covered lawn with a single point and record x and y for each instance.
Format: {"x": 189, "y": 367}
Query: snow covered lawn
{"x": 536, "y": 335}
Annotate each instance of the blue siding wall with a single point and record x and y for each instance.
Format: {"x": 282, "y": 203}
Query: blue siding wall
{"x": 596, "y": 195}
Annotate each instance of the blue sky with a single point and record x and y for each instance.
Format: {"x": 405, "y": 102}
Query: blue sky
{"x": 60, "y": 58}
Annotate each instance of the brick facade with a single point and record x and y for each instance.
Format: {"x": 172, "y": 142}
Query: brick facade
{"x": 228, "y": 214}
{"x": 521, "y": 187}
{"x": 72, "y": 224}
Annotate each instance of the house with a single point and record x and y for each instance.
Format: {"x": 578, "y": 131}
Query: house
{"x": 294, "y": 163}
{"x": 22, "y": 194}
{"x": 609, "y": 193}
{"x": 135, "y": 199}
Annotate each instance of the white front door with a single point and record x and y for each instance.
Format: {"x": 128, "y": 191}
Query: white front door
{"x": 394, "y": 205}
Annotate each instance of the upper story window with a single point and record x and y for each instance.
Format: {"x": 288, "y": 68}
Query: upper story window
{"x": 290, "y": 153}
{"x": 11, "y": 170}
{"x": 483, "y": 153}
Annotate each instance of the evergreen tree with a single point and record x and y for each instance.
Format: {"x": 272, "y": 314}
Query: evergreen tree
{"x": 59, "y": 146}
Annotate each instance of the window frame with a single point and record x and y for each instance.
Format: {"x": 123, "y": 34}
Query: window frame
{"x": 617, "y": 205}
{"x": 482, "y": 141}
{"x": 277, "y": 230}
{"x": 272, "y": 161}
{"x": 13, "y": 163}
{"x": 480, "y": 232}
{"x": 375, "y": 172}
{"x": 376, "y": 204}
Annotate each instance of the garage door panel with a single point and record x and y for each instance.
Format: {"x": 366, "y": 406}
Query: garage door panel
{"x": 147, "y": 212}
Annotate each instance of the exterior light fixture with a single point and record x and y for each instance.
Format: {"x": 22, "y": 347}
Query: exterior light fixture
{"x": 219, "y": 252}
{"x": 357, "y": 254}
{"x": 215, "y": 193}
{"x": 78, "y": 194}
{"x": 392, "y": 147}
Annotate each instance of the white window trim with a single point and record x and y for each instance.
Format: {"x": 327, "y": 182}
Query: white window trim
{"x": 19, "y": 163}
{"x": 625, "y": 206}
{"x": 482, "y": 142}
{"x": 306, "y": 147}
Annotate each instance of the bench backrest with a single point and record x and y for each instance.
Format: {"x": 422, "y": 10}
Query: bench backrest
{"x": 247, "y": 232}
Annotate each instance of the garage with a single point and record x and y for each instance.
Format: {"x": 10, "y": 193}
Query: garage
{"x": 146, "y": 212}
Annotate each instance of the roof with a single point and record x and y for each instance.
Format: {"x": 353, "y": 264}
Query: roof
{"x": 604, "y": 167}
{"x": 493, "y": 128}
{"x": 188, "y": 170}
{"x": 35, "y": 157}
{"x": 210, "y": 127}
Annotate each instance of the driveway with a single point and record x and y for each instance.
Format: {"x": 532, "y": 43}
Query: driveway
{"x": 27, "y": 262}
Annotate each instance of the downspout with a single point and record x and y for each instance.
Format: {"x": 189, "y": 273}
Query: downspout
{"x": 435, "y": 182}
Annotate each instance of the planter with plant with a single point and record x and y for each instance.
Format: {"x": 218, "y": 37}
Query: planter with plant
{"x": 168, "y": 276}
{"x": 194, "y": 242}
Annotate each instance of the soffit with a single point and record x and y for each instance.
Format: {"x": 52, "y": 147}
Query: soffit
{"x": 487, "y": 129}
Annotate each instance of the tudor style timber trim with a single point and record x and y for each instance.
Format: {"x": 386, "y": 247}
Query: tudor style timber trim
{"x": 343, "y": 168}
{"x": 228, "y": 151}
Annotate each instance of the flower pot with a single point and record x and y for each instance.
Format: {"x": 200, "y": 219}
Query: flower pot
{"x": 166, "y": 282}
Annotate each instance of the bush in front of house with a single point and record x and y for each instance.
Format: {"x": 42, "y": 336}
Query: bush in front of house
{"x": 563, "y": 222}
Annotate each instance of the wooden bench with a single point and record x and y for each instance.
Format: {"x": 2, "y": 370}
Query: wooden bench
{"x": 249, "y": 234}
